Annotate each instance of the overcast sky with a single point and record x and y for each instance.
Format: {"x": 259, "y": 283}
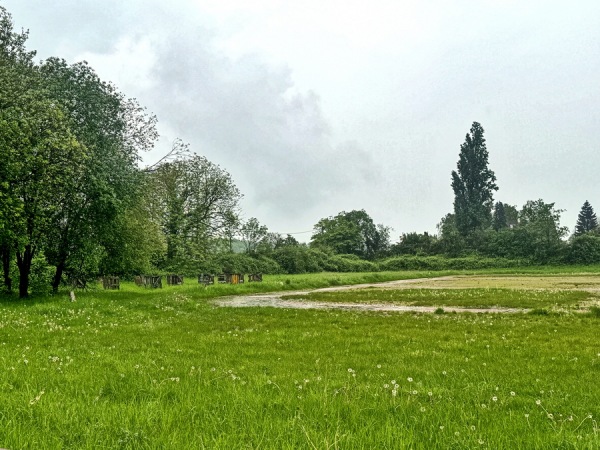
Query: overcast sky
{"x": 319, "y": 106}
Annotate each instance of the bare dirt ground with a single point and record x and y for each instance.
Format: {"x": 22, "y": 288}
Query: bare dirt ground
{"x": 584, "y": 282}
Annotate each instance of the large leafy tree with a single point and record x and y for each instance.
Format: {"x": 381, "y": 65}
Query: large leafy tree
{"x": 586, "y": 220}
{"x": 473, "y": 184}
{"x": 540, "y": 222}
{"x": 197, "y": 201}
{"x": 16, "y": 64}
{"x": 43, "y": 163}
{"x": 353, "y": 233}
{"x": 41, "y": 159}
{"x": 252, "y": 234}
{"x": 70, "y": 146}
{"x": 114, "y": 131}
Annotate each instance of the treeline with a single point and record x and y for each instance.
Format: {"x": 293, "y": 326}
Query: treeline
{"x": 75, "y": 205}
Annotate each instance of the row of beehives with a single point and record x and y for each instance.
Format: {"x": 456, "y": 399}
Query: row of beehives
{"x": 155, "y": 281}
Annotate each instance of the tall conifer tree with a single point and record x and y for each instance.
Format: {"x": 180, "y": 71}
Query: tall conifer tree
{"x": 586, "y": 221}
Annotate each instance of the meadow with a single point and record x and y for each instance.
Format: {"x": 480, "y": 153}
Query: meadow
{"x": 146, "y": 369}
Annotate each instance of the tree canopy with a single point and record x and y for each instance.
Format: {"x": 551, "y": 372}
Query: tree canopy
{"x": 352, "y": 233}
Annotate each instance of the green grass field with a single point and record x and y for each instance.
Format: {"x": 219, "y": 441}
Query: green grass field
{"x": 167, "y": 369}
{"x": 467, "y": 298}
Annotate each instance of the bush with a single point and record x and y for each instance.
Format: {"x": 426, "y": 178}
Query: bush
{"x": 349, "y": 263}
{"x": 584, "y": 249}
{"x": 444, "y": 263}
{"x": 240, "y": 263}
{"x": 299, "y": 259}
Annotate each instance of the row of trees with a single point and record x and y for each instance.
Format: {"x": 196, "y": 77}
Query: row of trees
{"x": 75, "y": 204}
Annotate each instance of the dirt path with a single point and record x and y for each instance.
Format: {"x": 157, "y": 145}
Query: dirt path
{"x": 276, "y": 300}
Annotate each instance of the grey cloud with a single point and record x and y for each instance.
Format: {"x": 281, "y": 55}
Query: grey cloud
{"x": 244, "y": 115}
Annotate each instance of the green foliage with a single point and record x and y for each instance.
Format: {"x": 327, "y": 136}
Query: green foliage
{"x": 444, "y": 263}
{"x": 349, "y": 263}
{"x": 541, "y": 222}
{"x": 353, "y": 233}
{"x": 196, "y": 203}
{"x": 499, "y": 217}
{"x": 136, "y": 246}
{"x": 300, "y": 259}
{"x": 252, "y": 233}
{"x": 451, "y": 242}
{"x": 586, "y": 220}
{"x": 241, "y": 263}
{"x": 583, "y": 249}
{"x": 473, "y": 184}
{"x": 415, "y": 244}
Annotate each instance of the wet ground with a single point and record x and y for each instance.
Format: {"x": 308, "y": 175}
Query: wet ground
{"x": 586, "y": 282}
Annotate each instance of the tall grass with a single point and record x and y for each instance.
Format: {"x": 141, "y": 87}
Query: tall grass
{"x": 166, "y": 369}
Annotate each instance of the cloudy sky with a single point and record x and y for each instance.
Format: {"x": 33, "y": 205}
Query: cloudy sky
{"x": 319, "y": 106}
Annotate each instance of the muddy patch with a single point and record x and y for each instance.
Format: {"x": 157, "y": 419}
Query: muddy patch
{"x": 276, "y": 301}
{"x": 590, "y": 283}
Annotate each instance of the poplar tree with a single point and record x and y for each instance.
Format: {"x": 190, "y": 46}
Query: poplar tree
{"x": 473, "y": 183}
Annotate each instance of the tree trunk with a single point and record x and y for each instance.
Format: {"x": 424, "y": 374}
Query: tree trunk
{"x": 6, "y": 267}
{"x": 58, "y": 275}
{"x": 24, "y": 264}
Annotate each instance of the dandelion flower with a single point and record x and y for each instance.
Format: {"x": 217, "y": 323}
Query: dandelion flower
{"x": 409, "y": 379}
{"x": 494, "y": 398}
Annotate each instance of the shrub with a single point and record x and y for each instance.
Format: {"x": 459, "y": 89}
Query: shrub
{"x": 444, "y": 263}
{"x": 584, "y": 249}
